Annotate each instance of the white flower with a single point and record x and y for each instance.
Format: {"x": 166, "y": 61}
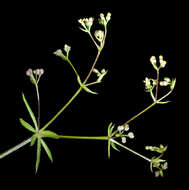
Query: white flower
{"x": 123, "y": 139}
{"x": 126, "y": 127}
{"x": 131, "y": 135}
{"x": 120, "y": 128}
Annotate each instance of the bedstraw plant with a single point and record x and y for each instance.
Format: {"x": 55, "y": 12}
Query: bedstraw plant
{"x": 117, "y": 136}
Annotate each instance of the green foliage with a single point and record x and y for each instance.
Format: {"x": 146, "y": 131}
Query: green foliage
{"x": 30, "y": 112}
{"x": 117, "y": 135}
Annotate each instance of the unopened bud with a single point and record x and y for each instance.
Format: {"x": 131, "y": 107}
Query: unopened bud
{"x": 29, "y": 72}
{"x": 123, "y": 140}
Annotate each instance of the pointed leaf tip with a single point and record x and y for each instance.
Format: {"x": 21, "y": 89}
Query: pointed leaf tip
{"x": 26, "y": 125}
{"x": 47, "y": 150}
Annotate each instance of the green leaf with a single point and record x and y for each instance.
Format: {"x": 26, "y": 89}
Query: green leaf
{"x": 30, "y": 111}
{"x": 27, "y": 125}
{"x": 33, "y": 139}
{"x": 109, "y": 147}
{"x": 114, "y": 147}
{"x": 151, "y": 167}
{"x": 163, "y": 102}
{"x": 38, "y": 154}
{"x": 47, "y": 150}
{"x": 32, "y": 79}
{"x": 84, "y": 87}
{"x": 161, "y": 173}
{"x": 49, "y": 134}
{"x": 109, "y": 128}
{"x": 84, "y": 30}
{"x": 173, "y": 83}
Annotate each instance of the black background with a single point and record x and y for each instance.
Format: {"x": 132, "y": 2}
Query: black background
{"x": 135, "y": 33}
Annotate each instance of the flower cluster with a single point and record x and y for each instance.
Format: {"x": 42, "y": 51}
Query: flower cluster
{"x": 100, "y": 35}
{"x": 150, "y": 83}
{"x": 156, "y": 162}
{"x": 86, "y": 23}
{"x": 123, "y": 133}
{"x": 61, "y": 54}
{"x": 104, "y": 20}
{"x": 162, "y": 62}
{"x": 35, "y": 75}
{"x": 99, "y": 74}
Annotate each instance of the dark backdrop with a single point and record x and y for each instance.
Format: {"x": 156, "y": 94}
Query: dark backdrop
{"x": 135, "y": 33}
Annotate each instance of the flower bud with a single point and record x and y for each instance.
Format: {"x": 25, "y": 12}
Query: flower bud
{"x": 108, "y": 17}
{"x": 29, "y": 72}
{"x": 163, "y": 83}
{"x": 123, "y": 140}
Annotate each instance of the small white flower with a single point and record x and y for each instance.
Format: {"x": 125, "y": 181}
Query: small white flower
{"x": 147, "y": 83}
{"x": 162, "y": 62}
{"x": 99, "y": 34}
{"x": 131, "y": 135}
{"x": 163, "y": 83}
{"x": 123, "y": 140}
{"x": 126, "y": 127}
{"x": 153, "y": 60}
{"x": 120, "y": 128}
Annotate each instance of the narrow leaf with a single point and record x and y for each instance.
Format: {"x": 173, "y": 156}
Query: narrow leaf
{"x": 109, "y": 147}
{"x": 163, "y": 102}
{"x": 47, "y": 150}
{"x": 109, "y": 128}
{"x": 173, "y": 83}
{"x": 84, "y": 87}
{"x": 114, "y": 147}
{"x": 27, "y": 125}
{"x": 30, "y": 111}
{"x": 151, "y": 167}
{"x": 38, "y": 156}
{"x": 49, "y": 134}
{"x": 33, "y": 139}
{"x": 83, "y": 29}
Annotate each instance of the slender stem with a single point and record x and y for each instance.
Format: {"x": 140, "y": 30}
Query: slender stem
{"x": 157, "y": 85}
{"x": 165, "y": 96}
{"x": 73, "y": 97}
{"x": 140, "y": 113}
{"x": 92, "y": 68}
{"x": 38, "y": 106}
{"x": 6, "y": 153}
{"x": 93, "y": 40}
{"x": 92, "y": 83}
{"x": 84, "y": 137}
{"x": 134, "y": 152}
{"x": 63, "y": 108}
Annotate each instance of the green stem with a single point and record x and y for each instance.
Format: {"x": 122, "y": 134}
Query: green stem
{"x": 75, "y": 95}
{"x": 63, "y": 108}
{"x": 93, "y": 66}
{"x": 84, "y": 137}
{"x": 38, "y": 105}
{"x": 15, "y": 148}
{"x": 140, "y": 113}
{"x": 93, "y": 40}
{"x": 130, "y": 150}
